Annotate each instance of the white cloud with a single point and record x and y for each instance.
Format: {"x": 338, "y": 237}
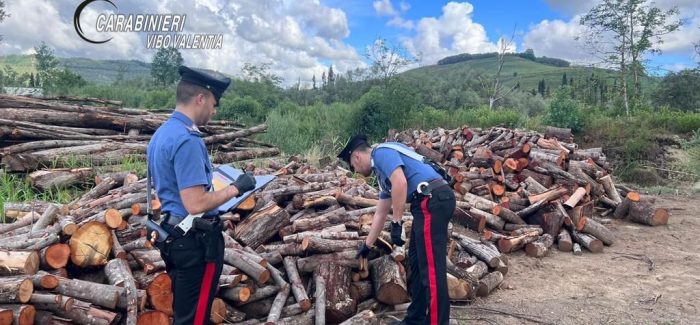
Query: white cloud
{"x": 556, "y": 38}
{"x": 384, "y": 8}
{"x": 675, "y": 67}
{"x": 299, "y": 38}
{"x": 452, "y": 33}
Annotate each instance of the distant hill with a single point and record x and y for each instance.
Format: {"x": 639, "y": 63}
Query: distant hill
{"x": 94, "y": 71}
{"x": 515, "y": 69}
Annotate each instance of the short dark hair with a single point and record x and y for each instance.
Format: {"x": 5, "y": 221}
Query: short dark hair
{"x": 362, "y": 147}
{"x": 186, "y": 91}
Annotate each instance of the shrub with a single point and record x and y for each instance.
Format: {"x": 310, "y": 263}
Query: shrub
{"x": 564, "y": 112}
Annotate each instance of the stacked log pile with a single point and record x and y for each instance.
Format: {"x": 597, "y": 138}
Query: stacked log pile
{"x": 59, "y": 133}
{"x": 298, "y": 234}
{"x": 290, "y": 248}
{"x": 526, "y": 190}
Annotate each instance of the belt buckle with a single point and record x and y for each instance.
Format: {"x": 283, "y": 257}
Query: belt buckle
{"x": 423, "y": 188}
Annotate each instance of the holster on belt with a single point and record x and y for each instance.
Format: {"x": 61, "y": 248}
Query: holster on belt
{"x": 206, "y": 232}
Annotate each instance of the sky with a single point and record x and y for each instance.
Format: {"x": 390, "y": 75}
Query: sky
{"x": 301, "y": 38}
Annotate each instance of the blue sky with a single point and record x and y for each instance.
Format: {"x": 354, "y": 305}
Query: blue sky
{"x": 301, "y": 38}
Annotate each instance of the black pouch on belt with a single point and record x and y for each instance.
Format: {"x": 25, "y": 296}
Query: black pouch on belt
{"x": 207, "y": 235}
{"x": 162, "y": 236}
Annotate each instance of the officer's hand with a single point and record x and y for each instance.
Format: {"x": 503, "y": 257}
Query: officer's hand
{"x": 154, "y": 237}
{"x": 363, "y": 251}
{"x": 396, "y": 231}
{"x": 244, "y": 183}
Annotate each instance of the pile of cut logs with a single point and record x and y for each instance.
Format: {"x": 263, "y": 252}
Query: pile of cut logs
{"x": 521, "y": 189}
{"x": 290, "y": 248}
{"x": 290, "y": 256}
{"x": 65, "y": 132}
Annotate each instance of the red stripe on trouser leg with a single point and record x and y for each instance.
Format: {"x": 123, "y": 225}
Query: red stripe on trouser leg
{"x": 428, "y": 239}
{"x": 204, "y": 293}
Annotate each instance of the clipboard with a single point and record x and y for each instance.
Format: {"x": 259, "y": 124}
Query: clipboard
{"x": 223, "y": 175}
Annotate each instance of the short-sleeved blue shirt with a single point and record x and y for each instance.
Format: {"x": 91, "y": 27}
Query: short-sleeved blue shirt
{"x": 177, "y": 159}
{"x": 386, "y": 160}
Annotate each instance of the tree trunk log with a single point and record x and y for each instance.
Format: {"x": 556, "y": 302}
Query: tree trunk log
{"x": 540, "y": 247}
{"x": 15, "y": 289}
{"x": 488, "y": 283}
{"x": 589, "y": 242}
{"x": 339, "y": 305}
{"x": 320, "y": 299}
{"x": 262, "y": 225}
{"x": 98, "y": 294}
{"x": 564, "y": 243}
{"x": 598, "y": 231}
{"x": 21, "y": 314}
{"x": 90, "y": 245}
{"x": 389, "y": 281}
{"x": 643, "y": 212}
{"x": 153, "y": 317}
{"x": 160, "y": 294}
{"x": 55, "y": 256}
{"x": 18, "y": 262}
{"x": 290, "y": 265}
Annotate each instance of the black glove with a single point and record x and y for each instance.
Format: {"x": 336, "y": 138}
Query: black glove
{"x": 244, "y": 183}
{"x": 396, "y": 231}
{"x": 363, "y": 251}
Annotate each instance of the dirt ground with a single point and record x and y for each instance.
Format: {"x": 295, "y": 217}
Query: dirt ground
{"x": 609, "y": 288}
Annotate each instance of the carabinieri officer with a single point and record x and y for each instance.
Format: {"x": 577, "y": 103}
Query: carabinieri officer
{"x": 182, "y": 175}
{"x": 404, "y": 177}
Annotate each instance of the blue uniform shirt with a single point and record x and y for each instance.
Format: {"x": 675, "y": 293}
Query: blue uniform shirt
{"x": 177, "y": 159}
{"x": 386, "y": 160}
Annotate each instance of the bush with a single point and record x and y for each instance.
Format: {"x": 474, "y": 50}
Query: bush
{"x": 564, "y": 112}
{"x": 680, "y": 90}
{"x": 240, "y": 109}
{"x": 525, "y": 103}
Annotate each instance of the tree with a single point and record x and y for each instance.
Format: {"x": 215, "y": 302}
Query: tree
{"x": 164, "y": 68}
{"x": 679, "y": 90}
{"x": 3, "y": 13}
{"x": 313, "y": 82}
{"x": 497, "y": 92}
{"x": 331, "y": 76}
{"x": 541, "y": 87}
{"x": 563, "y": 80}
{"x": 46, "y": 64}
{"x": 324, "y": 81}
{"x": 260, "y": 73}
{"x": 621, "y": 32}
{"x": 387, "y": 60}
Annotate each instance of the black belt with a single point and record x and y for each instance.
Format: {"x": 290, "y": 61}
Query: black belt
{"x": 426, "y": 188}
{"x": 174, "y": 220}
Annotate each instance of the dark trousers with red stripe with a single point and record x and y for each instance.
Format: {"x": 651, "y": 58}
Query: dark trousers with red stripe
{"x": 194, "y": 281}
{"x": 427, "y": 253}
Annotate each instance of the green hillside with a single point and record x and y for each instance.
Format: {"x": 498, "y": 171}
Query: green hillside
{"x": 93, "y": 71}
{"x": 515, "y": 69}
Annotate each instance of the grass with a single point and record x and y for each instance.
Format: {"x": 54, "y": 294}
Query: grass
{"x": 17, "y": 188}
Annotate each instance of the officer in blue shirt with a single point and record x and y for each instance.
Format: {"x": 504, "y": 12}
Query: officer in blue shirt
{"x": 182, "y": 175}
{"x": 404, "y": 179}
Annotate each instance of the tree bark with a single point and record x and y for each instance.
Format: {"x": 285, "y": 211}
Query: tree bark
{"x": 645, "y": 213}
{"x": 290, "y": 265}
{"x": 15, "y": 289}
{"x": 262, "y": 225}
{"x": 98, "y": 294}
{"x": 339, "y": 305}
{"x": 488, "y": 283}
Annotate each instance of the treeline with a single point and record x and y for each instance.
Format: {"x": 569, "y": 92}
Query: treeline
{"x": 529, "y": 54}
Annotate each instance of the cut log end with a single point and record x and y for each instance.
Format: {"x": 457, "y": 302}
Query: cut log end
{"x": 153, "y": 317}
{"x": 660, "y": 217}
{"x": 113, "y": 218}
{"x": 160, "y": 294}
{"x": 91, "y": 245}
{"x": 56, "y": 256}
